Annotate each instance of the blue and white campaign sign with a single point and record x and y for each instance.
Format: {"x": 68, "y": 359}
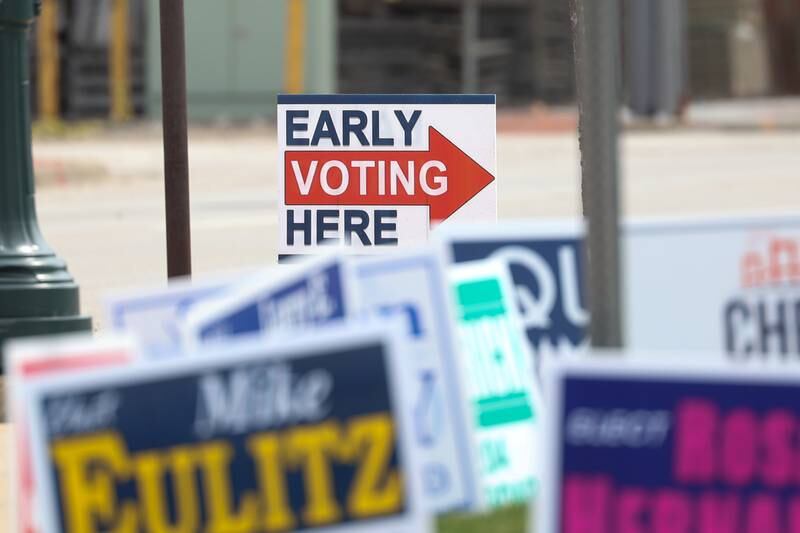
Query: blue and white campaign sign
{"x": 309, "y": 294}
{"x": 304, "y": 435}
{"x": 413, "y": 286}
{"x": 155, "y": 315}
{"x": 31, "y": 359}
{"x": 644, "y": 446}
{"x": 365, "y": 173}
{"x": 546, "y": 265}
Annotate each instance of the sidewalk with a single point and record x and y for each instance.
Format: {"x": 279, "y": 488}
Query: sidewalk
{"x": 740, "y": 114}
{"x": 766, "y": 113}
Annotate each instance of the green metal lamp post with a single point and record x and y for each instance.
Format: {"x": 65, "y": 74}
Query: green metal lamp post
{"x": 37, "y": 294}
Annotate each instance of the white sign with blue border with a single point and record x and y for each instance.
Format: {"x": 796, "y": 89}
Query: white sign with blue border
{"x": 306, "y": 295}
{"x": 363, "y": 173}
{"x": 413, "y": 286}
{"x": 155, "y": 315}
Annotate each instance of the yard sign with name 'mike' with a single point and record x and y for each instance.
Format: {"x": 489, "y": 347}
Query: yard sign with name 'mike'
{"x": 367, "y": 172}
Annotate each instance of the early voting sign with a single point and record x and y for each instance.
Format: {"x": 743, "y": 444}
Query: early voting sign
{"x": 413, "y": 286}
{"x": 670, "y": 448}
{"x": 367, "y": 172}
{"x": 500, "y": 388}
{"x": 299, "y": 436}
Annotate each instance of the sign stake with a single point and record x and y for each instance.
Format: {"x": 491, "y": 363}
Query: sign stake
{"x": 176, "y": 155}
{"x": 597, "y": 54}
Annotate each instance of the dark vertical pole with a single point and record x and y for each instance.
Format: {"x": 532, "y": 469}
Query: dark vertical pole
{"x": 640, "y": 31}
{"x": 470, "y": 43}
{"x": 597, "y": 67}
{"x": 176, "y": 156}
{"x": 671, "y": 56}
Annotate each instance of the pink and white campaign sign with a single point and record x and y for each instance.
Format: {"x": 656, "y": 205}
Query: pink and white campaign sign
{"x": 693, "y": 445}
{"x": 367, "y": 173}
{"x": 723, "y": 284}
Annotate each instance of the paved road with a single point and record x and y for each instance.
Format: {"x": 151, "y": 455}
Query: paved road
{"x": 103, "y": 210}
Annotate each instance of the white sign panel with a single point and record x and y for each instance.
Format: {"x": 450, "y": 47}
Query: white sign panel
{"x": 440, "y": 416}
{"x": 155, "y": 315}
{"x": 500, "y": 388}
{"x": 728, "y": 284}
{"x": 367, "y": 172}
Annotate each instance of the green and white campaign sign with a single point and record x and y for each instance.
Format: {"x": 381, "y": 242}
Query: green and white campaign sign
{"x": 499, "y": 382}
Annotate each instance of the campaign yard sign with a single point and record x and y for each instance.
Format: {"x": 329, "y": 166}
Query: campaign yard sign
{"x": 724, "y": 284}
{"x": 155, "y": 315}
{"x": 500, "y": 387}
{"x": 413, "y": 286}
{"x": 309, "y": 294}
{"x": 367, "y": 172}
{"x": 298, "y": 436}
{"x": 546, "y": 264}
{"x": 635, "y": 446}
{"x": 26, "y": 361}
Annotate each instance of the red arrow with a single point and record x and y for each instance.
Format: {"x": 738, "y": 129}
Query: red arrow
{"x": 365, "y": 184}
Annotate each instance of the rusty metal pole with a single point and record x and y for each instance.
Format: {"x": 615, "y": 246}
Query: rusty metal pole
{"x": 176, "y": 154}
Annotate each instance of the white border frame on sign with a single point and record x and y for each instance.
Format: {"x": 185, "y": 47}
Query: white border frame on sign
{"x": 266, "y": 282}
{"x": 672, "y": 366}
{"x": 18, "y": 351}
{"x": 118, "y": 303}
{"x": 243, "y": 352}
{"x": 452, "y": 363}
{"x": 719, "y": 221}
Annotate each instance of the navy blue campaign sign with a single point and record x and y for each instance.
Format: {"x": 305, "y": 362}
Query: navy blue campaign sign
{"x": 546, "y": 265}
{"x": 309, "y": 294}
{"x": 300, "y": 436}
{"x": 411, "y": 285}
{"x": 636, "y": 447}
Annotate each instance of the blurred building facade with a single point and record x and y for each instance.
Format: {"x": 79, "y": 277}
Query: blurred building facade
{"x": 673, "y": 51}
